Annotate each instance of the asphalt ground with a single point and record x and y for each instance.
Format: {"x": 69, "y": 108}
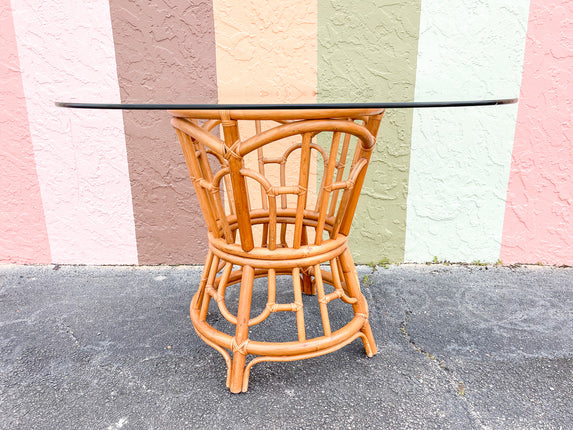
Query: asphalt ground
{"x": 472, "y": 347}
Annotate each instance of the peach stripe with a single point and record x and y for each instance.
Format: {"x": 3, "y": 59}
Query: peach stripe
{"x": 538, "y": 225}
{"x": 66, "y": 52}
{"x": 23, "y": 235}
{"x": 267, "y": 53}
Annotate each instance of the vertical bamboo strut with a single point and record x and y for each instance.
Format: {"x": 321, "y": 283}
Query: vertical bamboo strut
{"x": 210, "y": 282}
{"x": 360, "y": 307}
{"x": 298, "y": 302}
{"x": 272, "y": 222}
{"x": 372, "y": 125}
{"x": 308, "y": 287}
{"x": 195, "y": 172}
{"x": 322, "y": 301}
{"x": 239, "y": 345}
{"x": 322, "y": 205}
{"x": 340, "y": 171}
{"x": 332, "y": 213}
{"x": 264, "y": 197}
{"x": 203, "y": 282}
{"x": 207, "y": 175}
{"x": 231, "y": 131}
{"x": 303, "y": 188}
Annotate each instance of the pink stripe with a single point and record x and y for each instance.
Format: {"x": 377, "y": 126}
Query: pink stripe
{"x": 66, "y": 53}
{"x": 23, "y": 235}
{"x": 538, "y": 224}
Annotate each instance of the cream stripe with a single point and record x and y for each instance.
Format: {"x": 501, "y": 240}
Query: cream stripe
{"x": 460, "y": 158}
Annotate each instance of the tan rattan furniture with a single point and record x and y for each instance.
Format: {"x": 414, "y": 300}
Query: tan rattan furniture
{"x": 264, "y": 225}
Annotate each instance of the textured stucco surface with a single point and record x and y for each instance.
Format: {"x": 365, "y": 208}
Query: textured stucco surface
{"x": 106, "y": 187}
{"x": 266, "y": 51}
{"x": 165, "y": 53}
{"x": 539, "y": 214}
{"x": 367, "y": 52}
{"x": 460, "y": 159}
{"x": 23, "y": 234}
{"x": 66, "y": 52}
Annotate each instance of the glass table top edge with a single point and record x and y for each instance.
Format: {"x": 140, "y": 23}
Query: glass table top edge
{"x": 287, "y": 106}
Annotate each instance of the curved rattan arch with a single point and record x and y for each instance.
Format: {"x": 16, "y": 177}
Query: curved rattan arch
{"x": 301, "y": 127}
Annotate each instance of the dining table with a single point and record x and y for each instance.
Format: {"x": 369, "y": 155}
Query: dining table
{"x": 278, "y": 186}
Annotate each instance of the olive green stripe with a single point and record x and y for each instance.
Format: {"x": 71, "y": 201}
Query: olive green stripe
{"x": 367, "y": 51}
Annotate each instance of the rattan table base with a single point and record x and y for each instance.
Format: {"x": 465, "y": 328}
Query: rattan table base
{"x": 264, "y": 226}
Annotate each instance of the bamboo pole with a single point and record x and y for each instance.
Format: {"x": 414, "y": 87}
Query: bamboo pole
{"x": 240, "y": 341}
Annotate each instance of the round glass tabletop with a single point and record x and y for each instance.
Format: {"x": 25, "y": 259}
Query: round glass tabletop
{"x": 278, "y": 106}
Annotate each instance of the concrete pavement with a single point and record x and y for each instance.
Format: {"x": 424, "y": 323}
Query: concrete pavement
{"x": 473, "y": 347}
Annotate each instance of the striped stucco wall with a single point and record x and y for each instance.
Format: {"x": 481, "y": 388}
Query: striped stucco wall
{"x": 367, "y": 52}
{"x": 266, "y": 53}
{"x": 110, "y": 187}
{"x": 164, "y": 51}
{"x": 23, "y": 235}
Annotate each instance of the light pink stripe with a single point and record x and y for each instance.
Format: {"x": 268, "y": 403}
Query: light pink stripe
{"x": 538, "y": 224}
{"x": 23, "y": 235}
{"x": 66, "y": 52}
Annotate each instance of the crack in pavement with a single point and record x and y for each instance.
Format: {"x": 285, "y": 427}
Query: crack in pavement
{"x": 450, "y": 375}
{"x": 64, "y": 328}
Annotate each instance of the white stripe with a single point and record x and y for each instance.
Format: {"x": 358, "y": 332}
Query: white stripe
{"x": 460, "y": 157}
{"x": 66, "y": 53}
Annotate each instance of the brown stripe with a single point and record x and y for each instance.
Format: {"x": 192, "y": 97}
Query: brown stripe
{"x": 165, "y": 53}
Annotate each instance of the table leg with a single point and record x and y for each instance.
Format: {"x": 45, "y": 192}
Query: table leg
{"x": 242, "y": 330}
{"x": 360, "y": 307}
